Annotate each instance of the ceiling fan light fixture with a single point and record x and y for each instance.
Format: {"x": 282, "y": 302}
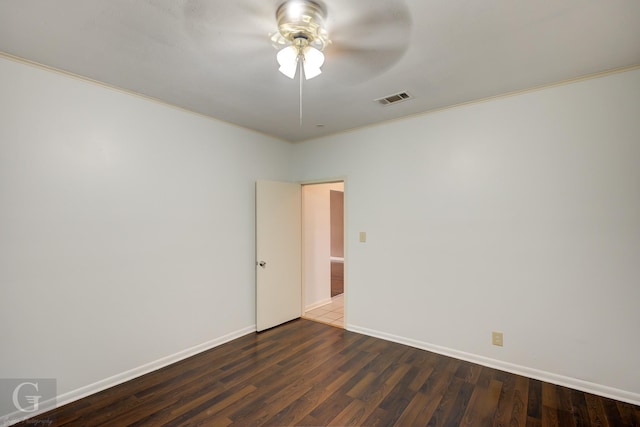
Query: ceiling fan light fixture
{"x": 288, "y": 60}
{"x": 289, "y": 57}
{"x": 311, "y": 72}
{"x": 301, "y": 23}
{"x": 313, "y": 60}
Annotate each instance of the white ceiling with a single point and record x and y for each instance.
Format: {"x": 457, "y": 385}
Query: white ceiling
{"x": 215, "y": 57}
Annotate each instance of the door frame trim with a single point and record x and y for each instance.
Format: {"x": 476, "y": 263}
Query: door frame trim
{"x": 342, "y": 179}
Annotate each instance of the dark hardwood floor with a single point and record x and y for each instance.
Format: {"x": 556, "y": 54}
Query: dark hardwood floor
{"x": 310, "y": 374}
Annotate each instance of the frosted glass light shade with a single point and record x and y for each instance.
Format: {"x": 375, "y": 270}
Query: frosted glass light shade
{"x": 288, "y": 60}
{"x": 313, "y": 60}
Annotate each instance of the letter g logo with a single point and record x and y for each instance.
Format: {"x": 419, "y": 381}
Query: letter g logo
{"x": 33, "y": 400}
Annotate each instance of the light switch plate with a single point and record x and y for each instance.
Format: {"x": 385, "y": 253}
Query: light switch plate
{"x": 363, "y": 236}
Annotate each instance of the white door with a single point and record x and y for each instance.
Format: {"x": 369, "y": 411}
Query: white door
{"x": 278, "y": 253}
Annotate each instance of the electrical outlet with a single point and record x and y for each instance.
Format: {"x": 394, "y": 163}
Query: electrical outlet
{"x": 496, "y": 338}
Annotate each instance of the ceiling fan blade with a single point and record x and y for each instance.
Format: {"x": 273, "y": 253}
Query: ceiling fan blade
{"x": 367, "y": 18}
{"x": 240, "y": 25}
{"x": 367, "y": 37}
{"x": 353, "y": 66}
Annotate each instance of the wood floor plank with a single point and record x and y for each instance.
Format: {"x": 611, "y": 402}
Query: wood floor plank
{"x": 579, "y": 408}
{"x": 330, "y": 408}
{"x": 307, "y": 377}
{"x": 550, "y": 405}
{"x": 394, "y": 402}
{"x": 350, "y": 377}
{"x": 630, "y": 414}
{"x": 378, "y": 418}
{"x": 460, "y": 405}
{"x": 209, "y": 410}
{"x": 502, "y": 414}
{"x": 419, "y": 411}
{"x": 350, "y": 415}
{"x": 612, "y": 413}
{"x": 275, "y": 394}
{"x": 520, "y": 399}
{"x": 447, "y": 402}
{"x": 469, "y": 372}
{"x": 161, "y": 411}
{"x": 595, "y": 408}
{"x": 304, "y": 373}
{"x": 482, "y": 405}
{"x": 295, "y": 412}
{"x": 565, "y": 409}
{"x": 550, "y": 417}
{"x": 485, "y": 377}
{"x": 534, "y": 406}
{"x": 381, "y": 387}
{"x": 441, "y": 377}
{"x": 533, "y": 422}
{"x": 362, "y": 385}
{"x": 420, "y": 378}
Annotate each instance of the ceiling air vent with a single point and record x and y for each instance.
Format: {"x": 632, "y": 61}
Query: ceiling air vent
{"x": 394, "y": 99}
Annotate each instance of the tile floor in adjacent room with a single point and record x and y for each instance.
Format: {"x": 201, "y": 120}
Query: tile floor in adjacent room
{"x": 331, "y": 314}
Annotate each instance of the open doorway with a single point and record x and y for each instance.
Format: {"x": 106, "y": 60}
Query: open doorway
{"x": 323, "y": 252}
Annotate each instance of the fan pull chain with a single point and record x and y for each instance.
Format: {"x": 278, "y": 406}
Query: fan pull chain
{"x": 300, "y": 59}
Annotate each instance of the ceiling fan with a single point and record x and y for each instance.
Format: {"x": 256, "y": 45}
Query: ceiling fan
{"x": 359, "y": 39}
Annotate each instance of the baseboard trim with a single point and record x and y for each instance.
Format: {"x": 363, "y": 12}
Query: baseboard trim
{"x": 550, "y": 377}
{"x": 317, "y": 304}
{"x": 115, "y": 380}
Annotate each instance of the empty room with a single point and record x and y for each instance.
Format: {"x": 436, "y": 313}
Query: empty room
{"x": 156, "y": 252}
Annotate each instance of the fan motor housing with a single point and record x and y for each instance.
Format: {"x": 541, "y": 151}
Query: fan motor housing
{"x": 303, "y": 19}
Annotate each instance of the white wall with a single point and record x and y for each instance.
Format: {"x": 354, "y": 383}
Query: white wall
{"x": 126, "y": 228}
{"x": 316, "y": 200}
{"x": 520, "y": 215}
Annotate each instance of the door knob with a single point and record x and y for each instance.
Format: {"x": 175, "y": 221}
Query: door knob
{"x": 262, "y": 264}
